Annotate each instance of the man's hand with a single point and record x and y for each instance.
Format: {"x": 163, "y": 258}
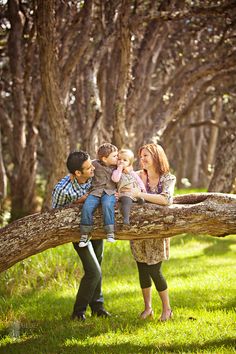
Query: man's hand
{"x": 81, "y": 200}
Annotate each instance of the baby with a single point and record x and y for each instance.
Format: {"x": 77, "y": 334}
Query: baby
{"x": 126, "y": 180}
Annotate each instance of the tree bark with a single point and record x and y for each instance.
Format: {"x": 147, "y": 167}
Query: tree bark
{"x": 15, "y": 52}
{"x": 3, "y": 176}
{"x": 197, "y": 153}
{"x": 225, "y": 164}
{"x": 19, "y": 112}
{"x": 76, "y": 50}
{"x": 53, "y": 97}
{"x": 214, "y": 135}
{"x": 123, "y": 47}
{"x": 199, "y": 213}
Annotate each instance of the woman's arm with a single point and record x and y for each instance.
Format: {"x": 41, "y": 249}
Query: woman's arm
{"x": 152, "y": 198}
{"x": 168, "y": 186}
{"x": 165, "y": 198}
{"x": 139, "y": 181}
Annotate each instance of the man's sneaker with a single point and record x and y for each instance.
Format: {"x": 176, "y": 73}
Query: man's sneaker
{"x": 80, "y": 316}
{"x": 111, "y": 238}
{"x": 101, "y": 313}
{"x": 84, "y": 240}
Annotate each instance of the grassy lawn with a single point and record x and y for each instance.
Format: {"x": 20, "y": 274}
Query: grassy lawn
{"x": 37, "y": 296}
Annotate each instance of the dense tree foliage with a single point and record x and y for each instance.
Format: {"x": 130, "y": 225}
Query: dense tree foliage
{"x": 78, "y": 73}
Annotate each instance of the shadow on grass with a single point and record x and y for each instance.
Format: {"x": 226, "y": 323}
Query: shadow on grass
{"x": 199, "y": 299}
{"x": 219, "y": 246}
{"x": 58, "y": 305}
{"x": 131, "y": 348}
{"x": 191, "y": 300}
{"x": 58, "y": 334}
{"x": 68, "y": 344}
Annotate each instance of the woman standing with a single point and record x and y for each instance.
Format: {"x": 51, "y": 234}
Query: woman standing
{"x": 149, "y": 254}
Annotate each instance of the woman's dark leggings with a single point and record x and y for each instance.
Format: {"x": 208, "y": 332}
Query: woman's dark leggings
{"x": 149, "y": 272}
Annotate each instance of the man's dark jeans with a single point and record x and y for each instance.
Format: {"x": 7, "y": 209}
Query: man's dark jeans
{"x": 90, "y": 292}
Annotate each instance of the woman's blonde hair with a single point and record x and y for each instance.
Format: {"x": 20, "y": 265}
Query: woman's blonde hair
{"x": 129, "y": 153}
{"x": 159, "y": 157}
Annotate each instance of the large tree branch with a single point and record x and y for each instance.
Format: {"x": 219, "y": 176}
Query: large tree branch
{"x": 200, "y": 213}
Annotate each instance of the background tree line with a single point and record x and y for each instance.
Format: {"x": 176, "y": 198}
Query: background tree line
{"x": 77, "y": 73}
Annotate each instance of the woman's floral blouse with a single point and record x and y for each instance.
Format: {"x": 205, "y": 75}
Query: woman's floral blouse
{"x": 153, "y": 251}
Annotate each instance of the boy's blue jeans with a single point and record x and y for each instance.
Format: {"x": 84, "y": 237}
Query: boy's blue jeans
{"x": 108, "y": 210}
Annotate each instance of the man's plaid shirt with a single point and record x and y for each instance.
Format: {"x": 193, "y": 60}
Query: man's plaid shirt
{"x": 68, "y": 190}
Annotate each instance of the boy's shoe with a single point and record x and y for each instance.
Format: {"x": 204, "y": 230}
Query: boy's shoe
{"x": 84, "y": 240}
{"x": 111, "y": 238}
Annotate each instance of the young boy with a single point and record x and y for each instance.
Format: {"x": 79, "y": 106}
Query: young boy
{"x": 102, "y": 192}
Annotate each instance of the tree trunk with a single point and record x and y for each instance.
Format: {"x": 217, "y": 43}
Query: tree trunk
{"x": 15, "y": 53}
{"x": 197, "y": 151}
{"x": 50, "y": 85}
{"x": 225, "y": 165}
{"x": 214, "y": 136}
{"x": 22, "y": 132}
{"x": 123, "y": 48}
{"x": 3, "y": 176}
{"x": 200, "y": 213}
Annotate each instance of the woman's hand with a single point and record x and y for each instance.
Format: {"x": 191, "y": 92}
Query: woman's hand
{"x": 136, "y": 193}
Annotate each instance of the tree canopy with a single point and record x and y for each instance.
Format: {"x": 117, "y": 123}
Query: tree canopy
{"x": 78, "y": 73}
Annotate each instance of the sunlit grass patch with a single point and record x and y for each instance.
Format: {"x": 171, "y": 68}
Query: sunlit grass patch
{"x": 37, "y": 297}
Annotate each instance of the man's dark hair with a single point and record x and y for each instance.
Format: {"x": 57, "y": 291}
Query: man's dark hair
{"x": 75, "y": 161}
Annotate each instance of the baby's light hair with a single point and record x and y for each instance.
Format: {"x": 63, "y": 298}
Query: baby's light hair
{"x": 128, "y": 153}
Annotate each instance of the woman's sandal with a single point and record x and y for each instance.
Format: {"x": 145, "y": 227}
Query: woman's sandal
{"x": 166, "y": 318}
{"x": 147, "y": 313}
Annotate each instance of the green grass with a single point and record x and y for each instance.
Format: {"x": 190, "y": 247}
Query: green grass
{"x": 37, "y": 296}
{"x": 189, "y": 190}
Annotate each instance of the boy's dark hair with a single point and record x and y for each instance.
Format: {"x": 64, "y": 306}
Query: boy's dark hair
{"x": 75, "y": 161}
{"x": 105, "y": 149}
